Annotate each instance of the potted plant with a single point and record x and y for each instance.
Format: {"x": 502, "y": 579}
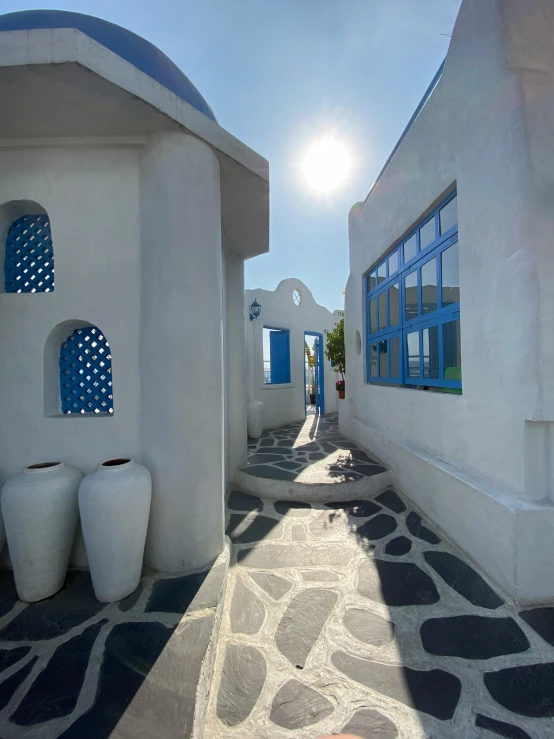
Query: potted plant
{"x": 334, "y": 351}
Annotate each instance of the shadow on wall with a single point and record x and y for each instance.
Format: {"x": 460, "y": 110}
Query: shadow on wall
{"x": 129, "y": 668}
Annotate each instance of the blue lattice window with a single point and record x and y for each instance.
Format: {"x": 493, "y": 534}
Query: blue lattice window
{"x": 29, "y": 257}
{"x": 86, "y": 372}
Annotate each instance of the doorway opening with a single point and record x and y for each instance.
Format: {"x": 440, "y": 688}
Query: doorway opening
{"x": 314, "y": 384}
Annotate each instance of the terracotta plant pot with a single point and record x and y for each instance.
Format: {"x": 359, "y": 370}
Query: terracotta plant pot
{"x": 341, "y": 394}
{"x": 40, "y": 511}
{"x": 114, "y": 502}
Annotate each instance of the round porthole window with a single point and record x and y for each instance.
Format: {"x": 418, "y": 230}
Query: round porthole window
{"x": 358, "y": 340}
{"x": 296, "y": 297}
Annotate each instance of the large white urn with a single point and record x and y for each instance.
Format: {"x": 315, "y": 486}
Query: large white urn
{"x": 40, "y": 512}
{"x": 254, "y": 419}
{"x": 114, "y": 502}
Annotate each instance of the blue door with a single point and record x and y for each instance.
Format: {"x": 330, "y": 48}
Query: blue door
{"x": 319, "y": 375}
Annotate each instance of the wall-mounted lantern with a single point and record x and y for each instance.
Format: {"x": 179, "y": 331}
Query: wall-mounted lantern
{"x": 255, "y": 310}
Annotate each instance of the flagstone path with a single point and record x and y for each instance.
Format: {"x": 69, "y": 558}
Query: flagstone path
{"x": 360, "y": 617}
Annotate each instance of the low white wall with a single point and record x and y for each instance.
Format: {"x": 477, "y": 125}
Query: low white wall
{"x": 286, "y": 403}
{"x": 479, "y": 131}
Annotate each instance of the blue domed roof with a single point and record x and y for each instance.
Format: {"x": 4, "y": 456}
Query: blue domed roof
{"x": 134, "y": 49}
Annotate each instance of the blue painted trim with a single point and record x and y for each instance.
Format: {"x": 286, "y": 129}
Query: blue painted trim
{"x": 319, "y": 370}
{"x": 438, "y": 317}
{"x": 86, "y": 373}
{"x": 128, "y": 45}
{"x": 418, "y": 110}
{"x": 29, "y": 255}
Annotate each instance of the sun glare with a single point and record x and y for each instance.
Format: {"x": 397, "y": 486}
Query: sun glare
{"x": 326, "y": 165}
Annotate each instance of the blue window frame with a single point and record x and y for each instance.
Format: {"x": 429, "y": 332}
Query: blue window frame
{"x": 29, "y": 256}
{"x": 413, "y": 307}
{"x": 277, "y": 368}
{"x": 86, "y": 372}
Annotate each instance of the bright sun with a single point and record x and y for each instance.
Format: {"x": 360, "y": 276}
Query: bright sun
{"x": 326, "y": 165}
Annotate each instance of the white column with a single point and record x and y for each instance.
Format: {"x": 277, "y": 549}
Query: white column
{"x": 236, "y": 391}
{"x": 182, "y": 351}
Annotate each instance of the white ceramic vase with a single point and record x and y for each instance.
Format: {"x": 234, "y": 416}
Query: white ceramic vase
{"x": 114, "y": 502}
{"x": 254, "y": 419}
{"x": 40, "y": 511}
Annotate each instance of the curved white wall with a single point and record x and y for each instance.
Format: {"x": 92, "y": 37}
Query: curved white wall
{"x": 182, "y": 350}
{"x": 91, "y": 195}
{"x": 286, "y": 403}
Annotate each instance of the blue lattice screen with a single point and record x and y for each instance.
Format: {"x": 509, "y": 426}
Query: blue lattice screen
{"x": 29, "y": 258}
{"x": 86, "y": 372}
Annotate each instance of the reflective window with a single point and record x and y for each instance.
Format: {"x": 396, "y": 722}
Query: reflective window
{"x": 427, "y": 234}
{"x": 449, "y": 215}
{"x": 394, "y": 349}
{"x": 414, "y": 318}
{"x": 373, "y": 315}
{"x": 410, "y": 295}
{"x": 450, "y": 275}
{"x": 451, "y": 350}
{"x": 373, "y": 360}
{"x": 413, "y": 354}
{"x": 429, "y": 286}
{"x": 394, "y": 304}
{"x": 431, "y": 353}
{"x": 383, "y": 310}
{"x": 410, "y": 248}
{"x": 383, "y": 359}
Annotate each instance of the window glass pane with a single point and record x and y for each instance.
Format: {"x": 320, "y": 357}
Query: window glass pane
{"x": 394, "y": 304}
{"x": 429, "y": 286}
{"x": 394, "y": 349}
{"x": 382, "y": 272}
{"x": 383, "y": 310}
{"x": 373, "y": 360}
{"x": 431, "y": 353}
{"x": 393, "y": 263}
{"x": 410, "y": 248}
{"x": 373, "y": 316}
{"x": 450, "y": 275}
{"x": 451, "y": 350}
{"x": 413, "y": 354}
{"x": 410, "y": 295}
{"x": 427, "y": 234}
{"x": 383, "y": 359}
{"x": 449, "y": 215}
{"x": 372, "y": 283}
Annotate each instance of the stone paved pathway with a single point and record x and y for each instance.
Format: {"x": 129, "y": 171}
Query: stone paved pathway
{"x": 75, "y": 668}
{"x": 360, "y": 617}
{"x": 312, "y": 452}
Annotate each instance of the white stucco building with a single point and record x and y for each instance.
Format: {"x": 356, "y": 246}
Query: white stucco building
{"x": 113, "y": 163}
{"x": 277, "y": 374}
{"x": 469, "y": 295}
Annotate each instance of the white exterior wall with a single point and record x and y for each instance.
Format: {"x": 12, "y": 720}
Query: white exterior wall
{"x": 182, "y": 351}
{"x": 477, "y": 464}
{"x": 235, "y": 365}
{"x": 286, "y": 403}
{"x": 91, "y": 195}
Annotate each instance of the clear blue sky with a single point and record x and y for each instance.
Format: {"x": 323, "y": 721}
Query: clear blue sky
{"x": 280, "y": 74}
